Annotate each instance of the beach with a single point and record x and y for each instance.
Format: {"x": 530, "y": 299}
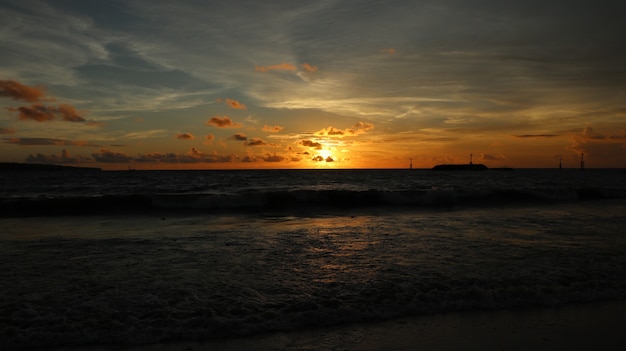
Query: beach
{"x": 592, "y": 326}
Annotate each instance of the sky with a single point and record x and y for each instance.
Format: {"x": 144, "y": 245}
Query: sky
{"x": 153, "y": 84}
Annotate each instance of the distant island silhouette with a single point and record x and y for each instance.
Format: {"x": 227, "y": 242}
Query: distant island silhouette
{"x": 13, "y": 166}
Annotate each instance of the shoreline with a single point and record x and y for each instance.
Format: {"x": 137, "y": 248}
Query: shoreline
{"x": 587, "y": 326}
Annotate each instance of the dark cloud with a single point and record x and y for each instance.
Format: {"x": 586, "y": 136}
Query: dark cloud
{"x": 255, "y": 142}
{"x": 48, "y": 141}
{"x": 273, "y": 158}
{"x": 64, "y": 158}
{"x": 7, "y": 131}
{"x": 222, "y": 122}
{"x": 240, "y": 137}
{"x": 43, "y": 113}
{"x": 310, "y": 143}
{"x": 185, "y": 136}
{"x": 108, "y": 156}
{"x": 39, "y": 113}
{"x": 319, "y": 158}
{"x": 18, "y": 91}
{"x": 194, "y": 156}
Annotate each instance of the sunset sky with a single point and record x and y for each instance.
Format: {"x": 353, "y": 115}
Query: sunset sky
{"x": 312, "y": 84}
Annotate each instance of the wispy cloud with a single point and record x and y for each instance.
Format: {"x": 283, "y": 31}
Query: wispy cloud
{"x": 272, "y": 129}
{"x": 234, "y": 104}
{"x": 277, "y": 67}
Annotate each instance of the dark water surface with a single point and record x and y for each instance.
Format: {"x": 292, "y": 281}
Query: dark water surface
{"x": 129, "y": 258}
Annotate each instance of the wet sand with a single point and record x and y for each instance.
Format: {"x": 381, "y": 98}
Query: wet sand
{"x": 594, "y": 326}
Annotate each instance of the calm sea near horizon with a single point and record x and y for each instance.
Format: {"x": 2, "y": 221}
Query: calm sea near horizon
{"x": 128, "y": 258}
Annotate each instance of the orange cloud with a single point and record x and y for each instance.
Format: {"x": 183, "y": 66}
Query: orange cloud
{"x": 222, "y": 122}
{"x": 39, "y": 113}
{"x": 358, "y": 128}
{"x": 7, "y": 131}
{"x": 389, "y": 51}
{"x": 43, "y": 113}
{"x": 185, "y": 136}
{"x": 18, "y": 91}
{"x": 235, "y": 104}
{"x": 272, "y": 129}
{"x": 278, "y": 67}
{"x": 69, "y": 113}
{"x": 309, "y": 68}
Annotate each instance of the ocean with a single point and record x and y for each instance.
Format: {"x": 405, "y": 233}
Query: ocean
{"x": 132, "y": 258}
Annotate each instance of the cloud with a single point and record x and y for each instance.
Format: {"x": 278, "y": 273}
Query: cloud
{"x": 209, "y": 139}
{"x": 193, "y": 156}
{"x": 7, "y": 131}
{"x": 255, "y": 142}
{"x": 277, "y": 67}
{"x": 322, "y": 159}
{"x": 108, "y": 156}
{"x": 536, "y": 136}
{"x": 43, "y": 113}
{"x": 389, "y": 51}
{"x": 239, "y": 137}
{"x": 48, "y": 141}
{"x": 185, "y": 136}
{"x": 39, "y": 113}
{"x": 222, "y": 122}
{"x": 18, "y": 91}
{"x": 310, "y": 143}
{"x": 599, "y": 148}
{"x": 235, "y": 104}
{"x": 273, "y": 158}
{"x": 64, "y": 158}
{"x": 309, "y": 68}
{"x": 358, "y": 128}
{"x": 69, "y": 113}
{"x": 272, "y": 129}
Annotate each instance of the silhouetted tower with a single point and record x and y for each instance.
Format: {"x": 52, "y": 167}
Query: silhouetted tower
{"x": 471, "y": 156}
{"x": 582, "y": 160}
{"x": 560, "y": 163}
{"x": 411, "y": 164}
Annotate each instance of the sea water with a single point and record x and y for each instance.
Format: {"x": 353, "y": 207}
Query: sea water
{"x": 125, "y": 258}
